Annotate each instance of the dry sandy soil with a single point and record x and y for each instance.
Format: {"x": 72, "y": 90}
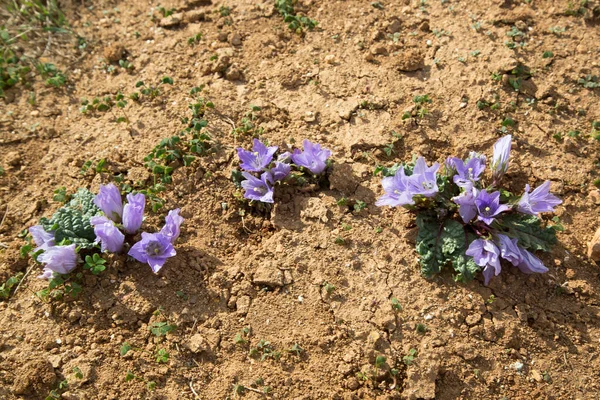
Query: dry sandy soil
{"x": 264, "y": 276}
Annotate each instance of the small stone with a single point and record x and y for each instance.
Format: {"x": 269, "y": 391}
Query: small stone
{"x": 194, "y": 16}
{"x": 595, "y": 196}
{"x": 233, "y": 74}
{"x": 594, "y": 247}
{"x": 309, "y": 116}
{"x": 13, "y": 158}
{"x": 394, "y": 26}
{"x": 55, "y": 360}
{"x": 34, "y": 113}
{"x": 197, "y": 344}
{"x": 171, "y": 21}
{"x": 330, "y": 59}
{"x": 114, "y": 52}
{"x": 379, "y": 50}
{"x": 236, "y": 39}
{"x": 473, "y": 319}
{"x": 267, "y": 274}
{"x": 537, "y": 376}
{"x": 243, "y": 305}
{"x": 223, "y": 36}
{"x": 352, "y": 383}
{"x": 74, "y": 316}
{"x": 517, "y": 366}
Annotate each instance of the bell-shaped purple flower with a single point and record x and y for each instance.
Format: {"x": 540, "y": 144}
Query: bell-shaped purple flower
{"x": 488, "y": 206}
{"x": 466, "y": 204}
{"x": 42, "y": 239}
{"x": 154, "y": 249}
{"x": 280, "y": 171}
{"x": 258, "y": 189}
{"x": 110, "y": 237}
{"x": 501, "y": 156}
{"x": 486, "y": 255}
{"x": 469, "y": 171}
{"x": 531, "y": 264}
{"x": 109, "y": 200}
{"x": 133, "y": 212}
{"x": 285, "y": 157}
{"x": 423, "y": 181}
{"x": 396, "y": 191}
{"x": 538, "y": 201}
{"x": 258, "y": 159}
{"x": 509, "y": 249}
{"x": 58, "y": 259}
{"x": 312, "y": 158}
{"x": 173, "y": 222}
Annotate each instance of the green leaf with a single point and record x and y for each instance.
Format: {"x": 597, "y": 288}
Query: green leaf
{"x": 528, "y": 231}
{"x": 440, "y": 243}
{"x": 124, "y": 349}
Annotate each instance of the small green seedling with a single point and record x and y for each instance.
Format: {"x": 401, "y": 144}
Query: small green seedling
{"x": 95, "y": 263}
{"x": 124, "y": 349}
{"x": 159, "y": 329}
{"x": 296, "y": 349}
{"x": 7, "y": 286}
{"x": 396, "y": 306}
{"x": 410, "y": 357}
{"x": 162, "y": 356}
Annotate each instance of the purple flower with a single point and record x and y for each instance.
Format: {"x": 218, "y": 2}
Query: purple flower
{"x": 313, "y": 157}
{"x": 285, "y": 157}
{"x": 509, "y": 249}
{"x": 540, "y": 200}
{"x": 172, "y": 223}
{"x": 42, "y": 239}
{"x": 450, "y": 165}
{"x": 396, "y": 190}
{"x": 423, "y": 181}
{"x": 486, "y": 255}
{"x": 154, "y": 249}
{"x": 258, "y": 189}
{"x": 58, "y": 259}
{"x": 469, "y": 172}
{"x": 109, "y": 200}
{"x": 258, "y": 159}
{"x": 531, "y": 264}
{"x": 488, "y": 206}
{"x": 133, "y": 212}
{"x": 110, "y": 237}
{"x": 280, "y": 171}
{"x": 501, "y": 156}
{"x": 466, "y": 204}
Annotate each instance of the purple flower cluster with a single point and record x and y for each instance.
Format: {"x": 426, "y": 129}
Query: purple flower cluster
{"x": 154, "y": 248}
{"x": 487, "y": 253}
{"x": 479, "y": 206}
{"x": 400, "y": 189}
{"x": 261, "y": 172}
{"x": 111, "y": 230}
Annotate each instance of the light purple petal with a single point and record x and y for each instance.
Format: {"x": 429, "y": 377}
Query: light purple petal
{"x": 109, "y": 201}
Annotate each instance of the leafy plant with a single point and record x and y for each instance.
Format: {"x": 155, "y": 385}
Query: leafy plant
{"x": 159, "y": 329}
{"x": 410, "y": 357}
{"x": 295, "y": 22}
{"x": 589, "y": 81}
{"x": 71, "y": 223}
{"x": 470, "y": 224}
{"x": 162, "y": 356}
{"x": 6, "y": 287}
